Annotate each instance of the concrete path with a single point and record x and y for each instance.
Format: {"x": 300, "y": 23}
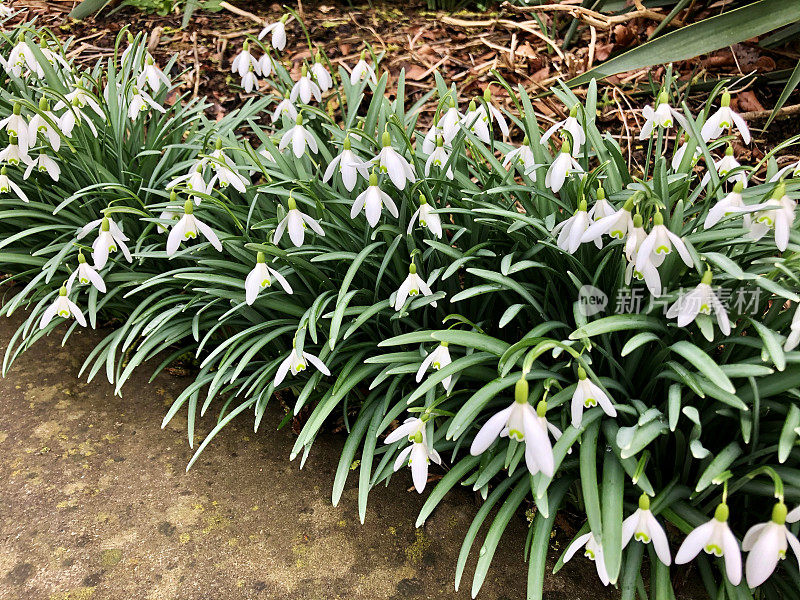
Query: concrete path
{"x": 95, "y": 504}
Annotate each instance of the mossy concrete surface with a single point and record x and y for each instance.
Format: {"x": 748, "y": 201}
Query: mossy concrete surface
{"x": 95, "y": 504}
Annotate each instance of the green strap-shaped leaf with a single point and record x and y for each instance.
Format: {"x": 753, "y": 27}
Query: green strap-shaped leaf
{"x": 703, "y": 363}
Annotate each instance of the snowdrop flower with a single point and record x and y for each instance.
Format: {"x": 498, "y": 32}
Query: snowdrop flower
{"x": 80, "y": 98}
{"x": 725, "y": 165}
{"x": 477, "y": 122}
{"x": 11, "y": 154}
{"x": 587, "y": 395}
{"x": 438, "y": 158}
{"x": 643, "y": 527}
{"x": 427, "y": 218}
{"x": 714, "y": 537}
{"x": 299, "y": 138}
{"x": 767, "y": 544}
{"x": 601, "y": 207}
{"x": 437, "y": 360}
{"x": 15, "y": 125}
{"x": 494, "y": 112}
{"x": 573, "y": 127}
{"x": 106, "y": 243}
{"x": 140, "y": 102}
{"x": 659, "y": 243}
{"x": 521, "y": 423}
{"x": 776, "y": 213}
{"x": 284, "y": 107}
{"x": 278, "y": 31}
{"x": 362, "y": 70}
{"x": 227, "y": 175}
{"x": 129, "y": 50}
{"x": 522, "y": 156}
{"x": 617, "y": 224}
{"x": 662, "y": 116}
{"x": 116, "y": 231}
{"x": 172, "y": 213}
{"x": 794, "y": 168}
{"x": 392, "y": 162}
{"x": 22, "y": 56}
{"x": 794, "y": 515}
{"x": 8, "y": 186}
{"x": 86, "y": 274}
{"x": 417, "y": 456}
{"x": 5, "y": 11}
{"x": 724, "y": 118}
{"x": 295, "y": 221}
{"x": 560, "y": 168}
{"x": 242, "y": 64}
{"x": 73, "y": 116}
{"x": 700, "y": 301}
{"x": 264, "y": 65}
{"x": 573, "y": 229}
{"x": 730, "y": 204}
{"x": 297, "y": 362}
{"x": 261, "y": 278}
{"x": 152, "y": 75}
{"x": 349, "y": 165}
{"x": 409, "y": 429}
{"x": 187, "y": 228}
{"x": 412, "y": 286}
{"x": 429, "y": 141}
{"x": 194, "y": 182}
{"x": 449, "y": 122}
{"x": 372, "y": 201}
{"x": 677, "y": 159}
{"x": 250, "y": 81}
{"x": 792, "y": 341}
{"x": 320, "y": 73}
{"x": 43, "y": 164}
{"x": 305, "y": 88}
{"x": 41, "y": 123}
{"x": 63, "y": 307}
{"x": 593, "y": 551}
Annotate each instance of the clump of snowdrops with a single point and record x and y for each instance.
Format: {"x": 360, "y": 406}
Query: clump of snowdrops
{"x": 548, "y": 327}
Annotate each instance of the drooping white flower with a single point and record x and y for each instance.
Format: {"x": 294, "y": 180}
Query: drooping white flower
{"x": 767, "y": 544}
{"x": 714, "y": 537}
{"x": 677, "y": 159}
{"x": 494, "y": 113}
{"x": 570, "y": 231}
{"x": 349, "y": 165}
{"x": 362, "y": 70}
{"x": 409, "y": 429}
{"x": 63, "y": 307}
{"x": 7, "y": 186}
{"x": 5, "y": 11}
{"x": 438, "y": 158}
{"x": 776, "y": 214}
{"x": 171, "y": 213}
{"x": 437, "y": 360}
{"x": 429, "y": 141}
{"x": 449, "y": 122}
{"x": 250, "y": 81}
{"x": 523, "y": 155}
{"x": 21, "y": 57}
{"x": 601, "y": 208}
{"x": 188, "y": 228}
{"x": 427, "y": 218}
{"x": 297, "y": 362}
{"x": 278, "y": 31}
{"x": 43, "y": 164}
{"x": 243, "y": 63}
{"x": 663, "y": 116}
{"x": 321, "y": 74}
{"x": 299, "y": 137}
{"x": 116, "y": 230}
{"x": 560, "y": 168}
{"x": 372, "y": 200}
{"x": 140, "y": 102}
{"x": 295, "y": 222}
{"x": 107, "y": 241}
{"x": 261, "y": 278}
{"x": 593, "y": 551}
{"x": 477, "y": 122}
{"x": 390, "y": 161}
{"x": 794, "y": 168}
{"x": 659, "y": 243}
{"x": 724, "y": 118}
{"x": 305, "y": 88}
{"x": 15, "y": 125}
{"x": 730, "y": 204}
{"x": 587, "y": 395}
{"x": 265, "y": 65}
{"x": 700, "y": 301}
{"x": 792, "y": 341}
{"x": 80, "y": 98}
{"x": 224, "y": 169}
{"x": 45, "y": 123}
{"x": 412, "y": 286}
{"x": 194, "y": 182}
{"x": 643, "y": 527}
{"x": 284, "y": 107}
{"x": 12, "y": 154}
{"x": 86, "y": 274}
{"x": 725, "y": 165}
{"x": 617, "y": 224}
{"x": 418, "y": 454}
{"x": 153, "y": 76}
{"x": 573, "y": 127}
{"x": 521, "y": 423}
{"x": 74, "y": 115}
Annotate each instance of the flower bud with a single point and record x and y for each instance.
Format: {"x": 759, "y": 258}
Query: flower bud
{"x": 521, "y": 391}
